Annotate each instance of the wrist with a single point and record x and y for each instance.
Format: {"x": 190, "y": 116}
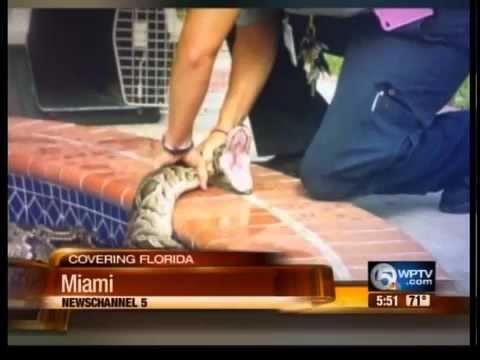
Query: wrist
{"x": 219, "y": 131}
{"x": 225, "y": 122}
{"x": 230, "y": 117}
{"x": 175, "y": 149}
{"x": 175, "y": 141}
{"x": 225, "y": 126}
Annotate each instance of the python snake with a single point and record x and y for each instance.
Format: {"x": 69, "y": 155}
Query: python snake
{"x": 150, "y": 222}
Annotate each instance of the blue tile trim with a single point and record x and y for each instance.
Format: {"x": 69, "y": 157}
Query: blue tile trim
{"x": 33, "y": 201}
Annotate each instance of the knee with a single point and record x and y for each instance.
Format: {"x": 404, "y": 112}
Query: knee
{"x": 321, "y": 183}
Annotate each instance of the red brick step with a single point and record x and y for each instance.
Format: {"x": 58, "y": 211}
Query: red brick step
{"x": 109, "y": 164}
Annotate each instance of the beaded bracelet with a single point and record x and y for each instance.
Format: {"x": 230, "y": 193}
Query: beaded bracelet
{"x": 176, "y": 151}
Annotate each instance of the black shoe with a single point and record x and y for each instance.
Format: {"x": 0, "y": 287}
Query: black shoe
{"x": 286, "y": 164}
{"x": 456, "y": 199}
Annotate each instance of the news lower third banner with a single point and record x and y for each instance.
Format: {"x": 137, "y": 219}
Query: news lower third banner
{"x": 149, "y": 279}
{"x": 140, "y": 279}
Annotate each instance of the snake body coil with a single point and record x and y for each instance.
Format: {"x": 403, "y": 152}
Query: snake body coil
{"x": 151, "y": 218}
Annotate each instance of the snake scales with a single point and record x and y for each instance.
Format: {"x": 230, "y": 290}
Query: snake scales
{"x": 150, "y": 222}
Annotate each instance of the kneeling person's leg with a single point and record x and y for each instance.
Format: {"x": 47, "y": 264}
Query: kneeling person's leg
{"x": 381, "y": 133}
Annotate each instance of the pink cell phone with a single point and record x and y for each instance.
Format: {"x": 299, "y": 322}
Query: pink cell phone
{"x": 391, "y": 19}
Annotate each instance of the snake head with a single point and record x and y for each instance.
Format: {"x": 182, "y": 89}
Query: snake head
{"x": 232, "y": 161}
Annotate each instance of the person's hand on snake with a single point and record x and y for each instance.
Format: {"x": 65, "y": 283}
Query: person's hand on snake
{"x": 215, "y": 139}
{"x": 193, "y": 159}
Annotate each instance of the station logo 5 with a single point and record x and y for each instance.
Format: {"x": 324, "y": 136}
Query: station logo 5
{"x": 401, "y": 276}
